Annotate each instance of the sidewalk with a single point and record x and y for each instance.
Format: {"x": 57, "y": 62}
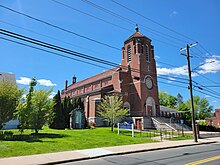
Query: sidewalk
{"x": 68, "y": 156}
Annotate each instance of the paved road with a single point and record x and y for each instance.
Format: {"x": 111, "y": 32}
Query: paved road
{"x": 206, "y": 154}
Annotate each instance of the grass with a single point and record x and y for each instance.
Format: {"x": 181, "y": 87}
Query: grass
{"x": 185, "y": 137}
{"x": 50, "y": 140}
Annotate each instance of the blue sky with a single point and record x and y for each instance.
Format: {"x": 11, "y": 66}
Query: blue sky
{"x": 192, "y": 21}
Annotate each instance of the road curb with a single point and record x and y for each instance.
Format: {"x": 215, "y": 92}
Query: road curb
{"x": 126, "y": 152}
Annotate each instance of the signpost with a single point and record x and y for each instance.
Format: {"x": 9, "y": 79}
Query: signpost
{"x": 126, "y": 126}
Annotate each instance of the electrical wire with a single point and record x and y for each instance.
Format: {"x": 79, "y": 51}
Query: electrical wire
{"x": 74, "y": 53}
{"x": 60, "y": 55}
{"x": 155, "y": 22}
{"x": 128, "y": 20}
{"x": 57, "y": 48}
{"x": 60, "y": 28}
{"x": 47, "y": 36}
{"x": 90, "y": 15}
{"x": 206, "y": 77}
{"x": 173, "y": 84}
{"x": 207, "y": 94}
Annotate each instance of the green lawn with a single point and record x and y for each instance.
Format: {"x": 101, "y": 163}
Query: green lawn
{"x": 50, "y": 140}
{"x": 185, "y": 137}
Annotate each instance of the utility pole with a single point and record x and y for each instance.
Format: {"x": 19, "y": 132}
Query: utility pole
{"x": 190, "y": 88}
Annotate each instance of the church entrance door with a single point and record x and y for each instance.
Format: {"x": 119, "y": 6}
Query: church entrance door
{"x": 138, "y": 124}
{"x": 149, "y": 110}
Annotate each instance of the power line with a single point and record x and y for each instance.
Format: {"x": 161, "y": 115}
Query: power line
{"x": 173, "y": 84}
{"x": 204, "y": 58}
{"x": 167, "y": 64}
{"x": 207, "y": 94}
{"x": 172, "y": 80}
{"x": 34, "y": 32}
{"x": 57, "y": 48}
{"x": 60, "y": 28}
{"x": 68, "y": 31}
{"x": 103, "y": 20}
{"x": 127, "y": 19}
{"x": 152, "y": 20}
{"x": 74, "y": 53}
{"x": 60, "y": 55}
{"x": 90, "y": 15}
{"x": 202, "y": 87}
{"x": 44, "y": 44}
{"x": 205, "y": 77}
{"x": 50, "y": 46}
{"x": 208, "y": 53}
{"x": 212, "y": 86}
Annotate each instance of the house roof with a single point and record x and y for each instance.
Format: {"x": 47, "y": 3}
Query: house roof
{"x": 166, "y": 109}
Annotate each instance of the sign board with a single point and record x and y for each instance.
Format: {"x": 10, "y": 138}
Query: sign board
{"x": 126, "y": 126}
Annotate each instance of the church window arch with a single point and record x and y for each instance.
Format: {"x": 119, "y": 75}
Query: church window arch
{"x": 127, "y": 105}
{"x": 129, "y": 53}
{"x": 147, "y": 54}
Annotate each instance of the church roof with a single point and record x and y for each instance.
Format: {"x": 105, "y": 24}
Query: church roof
{"x": 137, "y": 34}
{"x": 93, "y": 79}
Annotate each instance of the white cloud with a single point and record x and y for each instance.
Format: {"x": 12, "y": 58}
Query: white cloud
{"x": 207, "y": 96}
{"x": 214, "y": 101}
{"x": 26, "y": 81}
{"x": 171, "y": 79}
{"x": 23, "y": 81}
{"x": 52, "y": 95}
{"x": 176, "y": 71}
{"x": 211, "y": 65}
{"x": 47, "y": 83}
{"x": 173, "y": 14}
{"x": 157, "y": 57}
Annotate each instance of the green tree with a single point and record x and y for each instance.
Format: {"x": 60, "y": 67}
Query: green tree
{"x": 36, "y": 110}
{"x": 58, "y": 121}
{"x": 186, "y": 112}
{"x": 167, "y": 99}
{"x": 205, "y": 110}
{"x": 67, "y": 108}
{"x": 179, "y": 99}
{"x": 68, "y": 105}
{"x": 201, "y": 107}
{"x": 111, "y": 109}
{"x": 42, "y": 109}
{"x": 25, "y": 108}
{"x": 10, "y": 95}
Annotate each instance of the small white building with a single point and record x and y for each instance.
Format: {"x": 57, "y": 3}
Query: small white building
{"x": 12, "y": 124}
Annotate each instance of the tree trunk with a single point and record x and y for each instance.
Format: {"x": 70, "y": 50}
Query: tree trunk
{"x": 112, "y": 129}
{"x": 36, "y": 131}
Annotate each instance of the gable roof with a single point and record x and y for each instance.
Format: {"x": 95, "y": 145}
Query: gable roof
{"x": 92, "y": 79}
{"x": 136, "y": 35}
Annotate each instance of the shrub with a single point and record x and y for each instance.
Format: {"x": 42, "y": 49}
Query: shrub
{"x": 92, "y": 124}
{"x": 208, "y": 128}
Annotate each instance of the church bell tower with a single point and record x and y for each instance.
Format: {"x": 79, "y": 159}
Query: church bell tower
{"x": 138, "y": 60}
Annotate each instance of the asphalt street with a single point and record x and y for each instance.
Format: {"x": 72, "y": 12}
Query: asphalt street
{"x": 208, "y": 154}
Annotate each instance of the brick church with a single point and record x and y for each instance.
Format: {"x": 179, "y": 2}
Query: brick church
{"x": 136, "y": 83}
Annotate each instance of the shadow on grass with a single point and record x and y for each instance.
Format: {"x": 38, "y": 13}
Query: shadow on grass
{"x": 30, "y": 137}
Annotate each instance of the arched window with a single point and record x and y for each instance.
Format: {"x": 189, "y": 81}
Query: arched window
{"x": 127, "y": 105}
{"x": 147, "y": 54}
{"x": 129, "y": 53}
